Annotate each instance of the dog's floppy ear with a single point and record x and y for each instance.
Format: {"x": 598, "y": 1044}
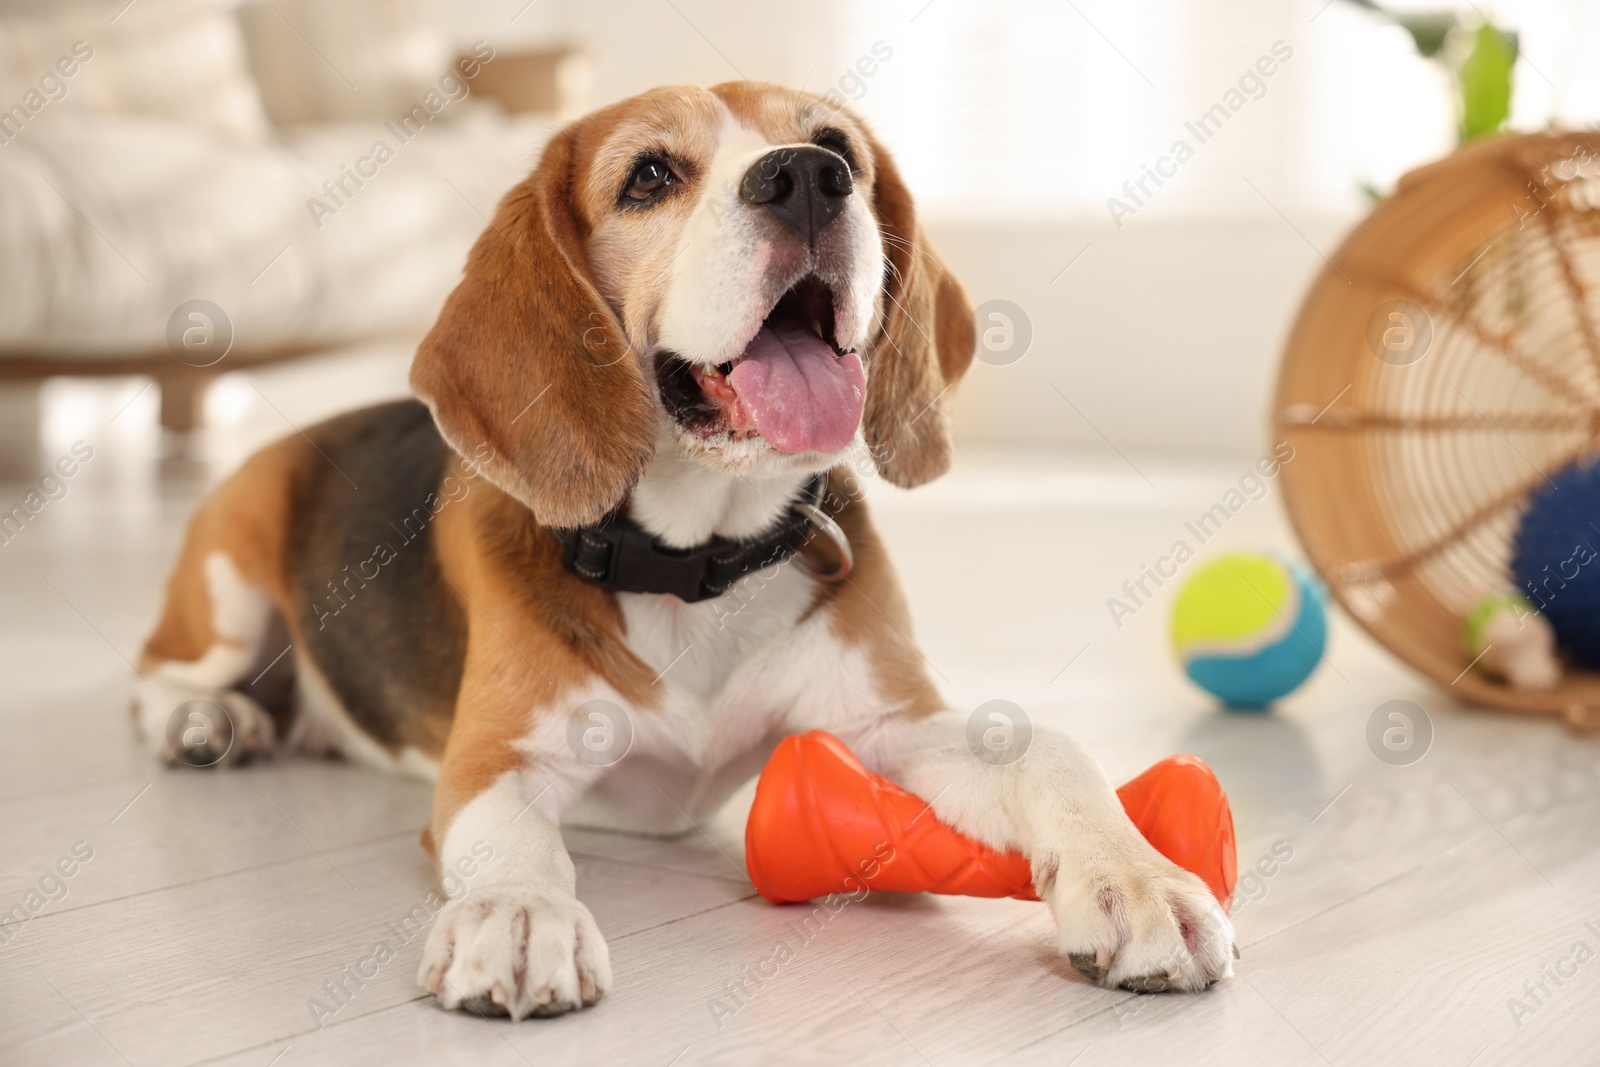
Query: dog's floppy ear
{"x": 527, "y": 372}
{"x": 923, "y": 347}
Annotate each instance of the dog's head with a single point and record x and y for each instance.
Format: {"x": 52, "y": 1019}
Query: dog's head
{"x": 735, "y": 272}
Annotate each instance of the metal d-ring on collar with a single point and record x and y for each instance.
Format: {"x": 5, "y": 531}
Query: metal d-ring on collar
{"x": 822, "y": 523}
{"x": 618, "y": 554}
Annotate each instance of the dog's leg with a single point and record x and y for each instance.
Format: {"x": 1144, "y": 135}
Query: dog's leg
{"x": 188, "y": 707}
{"x": 514, "y": 940}
{"x": 1125, "y": 915}
{"x": 215, "y": 634}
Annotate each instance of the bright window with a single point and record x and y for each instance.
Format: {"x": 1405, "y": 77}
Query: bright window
{"x": 1049, "y": 106}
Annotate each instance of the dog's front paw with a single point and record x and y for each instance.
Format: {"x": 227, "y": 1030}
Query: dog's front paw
{"x": 516, "y": 952}
{"x": 1139, "y": 922}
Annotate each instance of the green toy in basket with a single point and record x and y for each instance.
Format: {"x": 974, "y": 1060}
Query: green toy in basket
{"x": 1250, "y": 627}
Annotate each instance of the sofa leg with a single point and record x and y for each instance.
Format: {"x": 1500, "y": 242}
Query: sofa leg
{"x": 183, "y": 398}
{"x": 20, "y": 416}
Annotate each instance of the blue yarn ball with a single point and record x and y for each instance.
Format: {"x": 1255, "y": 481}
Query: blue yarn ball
{"x": 1556, "y": 559}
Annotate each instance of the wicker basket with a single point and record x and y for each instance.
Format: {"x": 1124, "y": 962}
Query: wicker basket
{"x": 1445, "y": 362}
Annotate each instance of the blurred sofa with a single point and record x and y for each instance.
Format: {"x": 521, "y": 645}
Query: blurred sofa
{"x": 314, "y": 172}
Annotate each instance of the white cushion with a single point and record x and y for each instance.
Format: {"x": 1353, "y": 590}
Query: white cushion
{"x": 106, "y": 225}
{"x": 322, "y": 61}
{"x": 176, "y": 59}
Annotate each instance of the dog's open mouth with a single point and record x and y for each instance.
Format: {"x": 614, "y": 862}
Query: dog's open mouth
{"x": 793, "y": 384}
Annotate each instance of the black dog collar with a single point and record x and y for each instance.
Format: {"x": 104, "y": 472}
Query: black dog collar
{"x": 617, "y": 554}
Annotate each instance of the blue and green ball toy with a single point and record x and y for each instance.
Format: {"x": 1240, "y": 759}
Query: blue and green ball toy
{"x": 1249, "y": 627}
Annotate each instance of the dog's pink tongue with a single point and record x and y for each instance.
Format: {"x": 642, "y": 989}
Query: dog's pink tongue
{"x": 800, "y": 395}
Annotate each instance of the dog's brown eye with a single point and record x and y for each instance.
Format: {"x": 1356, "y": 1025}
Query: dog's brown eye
{"x": 649, "y": 178}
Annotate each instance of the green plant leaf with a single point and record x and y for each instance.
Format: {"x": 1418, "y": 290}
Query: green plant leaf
{"x": 1428, "y": 29}
{"x": 1485, "y": 80}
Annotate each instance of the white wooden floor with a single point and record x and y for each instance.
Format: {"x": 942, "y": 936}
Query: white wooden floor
{"x": 1419, "y": 906}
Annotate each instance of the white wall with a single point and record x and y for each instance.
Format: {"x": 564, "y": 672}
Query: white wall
{"x": 1165, "y": 336}
{"x": 640, "y": 44}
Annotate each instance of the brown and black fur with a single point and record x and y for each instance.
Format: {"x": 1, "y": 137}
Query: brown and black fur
{"x": 368, "y": 596}
{"x": 339, "y": 528}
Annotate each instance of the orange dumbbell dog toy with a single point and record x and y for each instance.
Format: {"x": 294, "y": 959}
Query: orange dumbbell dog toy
{"x": 822, "y": 823}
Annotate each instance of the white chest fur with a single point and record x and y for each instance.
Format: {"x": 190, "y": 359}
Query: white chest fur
{"x": 708, "y": 730}
{"x": 696, "y": 649}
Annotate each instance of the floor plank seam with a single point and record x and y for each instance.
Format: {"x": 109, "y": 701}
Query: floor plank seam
{"x": 97, "y": 784}
{"x": 1185, "y": 1001}
{"x": 56, "y": 913}
{"x": 679, "y": 919}
{"x": 1408, "y": 872}
{"x": 657, "y": 867}
{"x": 300, "y": 1034}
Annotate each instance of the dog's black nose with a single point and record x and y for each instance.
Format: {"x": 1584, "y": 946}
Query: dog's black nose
{"x": 805, "y": 187}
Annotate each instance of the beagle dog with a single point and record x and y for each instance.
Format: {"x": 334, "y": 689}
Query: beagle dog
{"x": 622, "y": 551}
